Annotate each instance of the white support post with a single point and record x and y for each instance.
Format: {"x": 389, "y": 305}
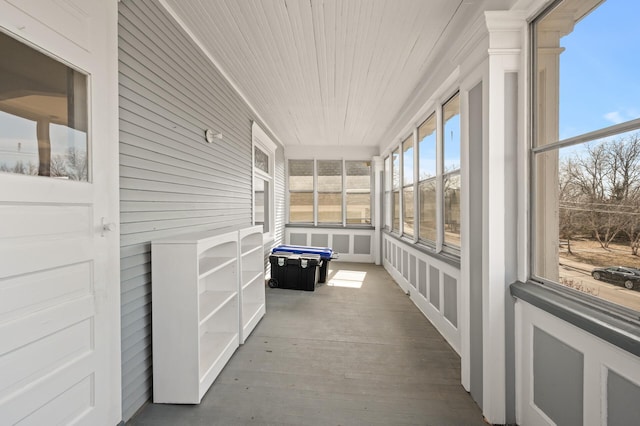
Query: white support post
{"x": 506, "y": 34}
{"x": 377, "y": 193}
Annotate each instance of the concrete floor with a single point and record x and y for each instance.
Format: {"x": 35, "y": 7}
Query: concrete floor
{"x": 354, "y": 352}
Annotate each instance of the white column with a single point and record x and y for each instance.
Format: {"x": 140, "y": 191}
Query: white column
{"x": 506, "y": 36}
{"x": 377, "y": 194}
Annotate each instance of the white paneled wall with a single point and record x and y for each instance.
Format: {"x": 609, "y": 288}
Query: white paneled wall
{"x": 432, "y": 284}
{"x": 352, "y": 245}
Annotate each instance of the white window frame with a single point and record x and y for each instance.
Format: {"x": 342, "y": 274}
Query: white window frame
{"x": 437, "y": 246}
{"x": 535, "y": 150}
{"x": 262, "y": 141}
{"x": 343, "y": 222}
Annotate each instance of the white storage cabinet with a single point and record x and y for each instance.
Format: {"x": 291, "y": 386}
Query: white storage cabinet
{"x": 195, "y": 312}
{"x": 252, "y": 295}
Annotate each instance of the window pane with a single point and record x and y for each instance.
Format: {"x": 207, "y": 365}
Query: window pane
{"x": 358, "y": 177}
{"x": 387, "y": 193}
{"x": 387, "y": 174}
{"x": 597, "y": 54}
{"x": 408, "y": 210}
{"x": 587, "y": 211}
{"x": 359, "y": 209}
{"x": 407, "y": 160}
{"x": 301, "y": 175}
{"x": 451, "y": 134}
{"x": 427, "y": 178}
{"x": 301, "y": 207}
{"x": 43, "y": 115}
{"x": 261, "y": 159}
{"x": 588, "y": 217}
{"x": 451, "y": 177}
{"x": 428, "y": 209}
{"x": 358, "y": 188}
{"x": 396, "y": 210}
{"x": 427, "y": 148}
{"x": 395, "y": 169}
{"x": 261, "y": 203}
{"x": 330, "y": 207}
{"x": 330, "y": 176}
{"x": 451, "y": 185}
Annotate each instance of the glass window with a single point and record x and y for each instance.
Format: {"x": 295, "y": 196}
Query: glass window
{"x": 395, "y": 185}
{"x": 586, "y": 150}
{"x": 261, "y": 159}
{"x": 407, "y": 186}
{"x": 451, "y": 175}
{"x": 358, "y": 192}
{"x": 43, "y": 115}
{"x": 387, "y": 192}
{"x": 263, "y": 187}
{"x": 329, "y": 191}
{"x": 427, "y": 179}
{"x": 327, "y": 199}
{"x": 261, "y": 202}
{"x": 301, "y": 191}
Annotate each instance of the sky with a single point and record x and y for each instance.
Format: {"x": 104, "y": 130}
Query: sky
{"x": 600, "y": 69}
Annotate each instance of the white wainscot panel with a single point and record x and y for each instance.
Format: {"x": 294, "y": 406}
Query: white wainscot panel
{"x": 352, "y": 244}
{"x": 600, "y": 357}
{"x": 437, "y": 275}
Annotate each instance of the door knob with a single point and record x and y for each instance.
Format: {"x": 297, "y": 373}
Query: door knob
{"x": 107, "y": 227}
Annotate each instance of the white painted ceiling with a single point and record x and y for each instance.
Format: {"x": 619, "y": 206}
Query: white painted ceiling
{"x": 326, "y": 72}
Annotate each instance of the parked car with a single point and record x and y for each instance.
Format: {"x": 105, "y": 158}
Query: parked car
{"x": 628, "y": 277}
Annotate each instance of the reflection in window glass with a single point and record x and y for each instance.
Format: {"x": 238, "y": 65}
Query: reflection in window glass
{"x": 427, "y": 179}
{"x": 451, "y": 177}
{"x": 301, "y": 191}
{"x": 358, "y": 192}
{"x": 587, "y": 195}
{"x": 301, "y": 207}
{"x": 330, "y": 207}
{"x": 43, "y": 115}
{"x": 261, "y": 159}
{"x": 260, "y": 200}
{"x": 329, "y": 191}
{"x": 407, "y": 191}
{"x": 301, "y": 175}
{"x": 395, "y": 184}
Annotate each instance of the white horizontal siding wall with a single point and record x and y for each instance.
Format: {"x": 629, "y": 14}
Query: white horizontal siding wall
{"x": 171, "y": 180}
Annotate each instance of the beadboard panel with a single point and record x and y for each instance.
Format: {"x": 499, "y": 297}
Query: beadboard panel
{"x": 171, "y": 180}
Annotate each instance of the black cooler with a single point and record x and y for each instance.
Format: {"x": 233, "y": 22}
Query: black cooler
{"x": 294, "y": 271}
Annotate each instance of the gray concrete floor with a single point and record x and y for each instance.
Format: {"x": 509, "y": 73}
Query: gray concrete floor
{"x": 341, "y": 355}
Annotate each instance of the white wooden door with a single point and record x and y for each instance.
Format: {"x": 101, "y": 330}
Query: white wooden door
{"x": 59, "y": 270}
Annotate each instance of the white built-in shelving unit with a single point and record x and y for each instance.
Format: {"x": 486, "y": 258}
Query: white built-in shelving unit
{"x": 199, "y": 281}
{"x": 252, "y": 297}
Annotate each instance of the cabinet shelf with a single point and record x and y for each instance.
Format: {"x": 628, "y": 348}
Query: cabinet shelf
{"x": 252, "y": 277}
{"x": 212, "y": 346}
{"x": 209, "y": 265}
{"x": 249, "y": 249}
{"x": 213, "y": 301}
